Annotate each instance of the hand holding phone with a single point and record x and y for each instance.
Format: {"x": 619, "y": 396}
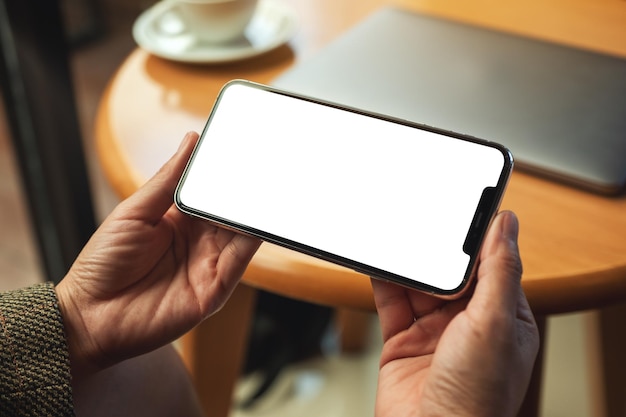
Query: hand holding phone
{"x": 391, "y": 199}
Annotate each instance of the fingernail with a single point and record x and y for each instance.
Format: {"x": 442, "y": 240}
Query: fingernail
{"x": 510, "y": 226}
{"x": 185, "y": 140}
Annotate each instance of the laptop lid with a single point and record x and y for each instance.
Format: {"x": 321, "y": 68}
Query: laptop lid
{"x": 561, "y": 110}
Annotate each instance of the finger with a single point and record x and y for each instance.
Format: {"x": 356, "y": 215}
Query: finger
{"x": 155, "y": 197}
{"x": 237, "y": 255}
{"x": 398, "y": 307}
{"x": 500, "y": 269}
{"x": 393, "y": 307}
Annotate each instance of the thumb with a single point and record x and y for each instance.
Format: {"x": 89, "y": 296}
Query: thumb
{"x": 155, "y": 197}
{"x": 500, "y": 269}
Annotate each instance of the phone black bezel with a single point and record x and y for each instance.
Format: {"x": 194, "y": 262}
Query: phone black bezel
{"x": 478, "y": 236}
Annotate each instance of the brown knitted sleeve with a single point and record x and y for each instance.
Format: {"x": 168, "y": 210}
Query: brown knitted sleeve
{"x": 34, "y": 361}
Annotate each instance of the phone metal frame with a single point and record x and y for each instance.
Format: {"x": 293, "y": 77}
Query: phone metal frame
{"x": 490, "y": 206}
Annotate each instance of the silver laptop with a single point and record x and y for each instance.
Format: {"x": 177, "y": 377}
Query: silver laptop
{"x": 561, "y": 111}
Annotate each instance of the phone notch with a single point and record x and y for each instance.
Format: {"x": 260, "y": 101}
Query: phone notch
{"x": 477, "y": 227}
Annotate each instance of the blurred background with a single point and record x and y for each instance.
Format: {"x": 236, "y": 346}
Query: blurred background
{"x": 329, "y": 384}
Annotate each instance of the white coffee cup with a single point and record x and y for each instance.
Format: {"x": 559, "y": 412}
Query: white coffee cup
{"x": 216, "y": 21}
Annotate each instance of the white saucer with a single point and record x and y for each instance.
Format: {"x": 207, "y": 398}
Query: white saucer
{"x": 161, "y": 31}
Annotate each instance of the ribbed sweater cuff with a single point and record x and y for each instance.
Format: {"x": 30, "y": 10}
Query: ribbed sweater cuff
{"x": 35, "y": 377}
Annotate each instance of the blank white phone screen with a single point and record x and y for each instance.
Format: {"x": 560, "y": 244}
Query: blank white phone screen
{"x": 383, "y": 194}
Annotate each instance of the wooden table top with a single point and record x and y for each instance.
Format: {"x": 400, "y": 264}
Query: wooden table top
{"x": 573, "y": 243}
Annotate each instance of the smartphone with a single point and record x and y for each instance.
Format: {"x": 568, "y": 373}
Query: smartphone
{"x": 394, "y": 200}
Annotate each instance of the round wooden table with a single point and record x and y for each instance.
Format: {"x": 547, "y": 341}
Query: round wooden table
{"x": 573, "y": 243}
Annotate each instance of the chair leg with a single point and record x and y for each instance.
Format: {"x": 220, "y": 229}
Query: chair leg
{"x": 214, "y": 352}
{"x": 613, "y": 361}
{"x": 532, "y": 402}
{"x": 353, "y": 328}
